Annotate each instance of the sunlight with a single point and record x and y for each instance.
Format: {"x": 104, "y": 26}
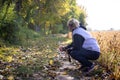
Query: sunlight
{"x": 102, "y": 14}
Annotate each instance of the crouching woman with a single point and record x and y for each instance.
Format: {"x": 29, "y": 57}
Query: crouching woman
{"x": 84, "y": 48}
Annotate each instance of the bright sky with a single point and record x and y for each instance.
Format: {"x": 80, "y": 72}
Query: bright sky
{"x": 102, "y": 14}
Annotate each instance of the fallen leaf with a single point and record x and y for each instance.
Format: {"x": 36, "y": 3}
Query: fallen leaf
{"x": 64, "y": 73}
{"x": 51, "y": 62}
{"x": 11, "y": 77}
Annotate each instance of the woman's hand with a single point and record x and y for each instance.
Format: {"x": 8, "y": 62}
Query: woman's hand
{"x": 62, "y": 48}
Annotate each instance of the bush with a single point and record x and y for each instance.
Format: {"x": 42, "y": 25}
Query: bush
{"x": 8, "y": 30}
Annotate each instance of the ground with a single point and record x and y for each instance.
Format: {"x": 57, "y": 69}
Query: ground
{"x": 62, "y": 69}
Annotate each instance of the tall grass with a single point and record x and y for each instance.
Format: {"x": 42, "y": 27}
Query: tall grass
{"x": 109, "y": 42}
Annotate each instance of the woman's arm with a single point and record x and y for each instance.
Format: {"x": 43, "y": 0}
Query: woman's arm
{"x": 78, "y": 41}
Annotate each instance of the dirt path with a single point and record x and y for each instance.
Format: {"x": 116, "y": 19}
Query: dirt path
{"x": 69, "y": 71}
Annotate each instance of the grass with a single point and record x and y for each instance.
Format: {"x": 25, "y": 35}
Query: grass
{"x": 110, "y": 50}
{"x": 24, "y": 61}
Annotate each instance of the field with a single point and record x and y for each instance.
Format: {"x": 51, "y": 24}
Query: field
{"x": 109, "y": 42}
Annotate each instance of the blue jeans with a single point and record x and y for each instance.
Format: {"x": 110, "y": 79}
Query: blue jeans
{"x": 83, "y": 56}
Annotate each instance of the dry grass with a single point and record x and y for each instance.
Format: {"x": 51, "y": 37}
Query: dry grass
{"x": 109, "y": 42}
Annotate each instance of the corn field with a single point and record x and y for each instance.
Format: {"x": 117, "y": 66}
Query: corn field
{"x": 109, "y": 42}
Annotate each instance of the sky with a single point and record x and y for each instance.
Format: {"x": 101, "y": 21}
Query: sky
{"x": 102, "y": 14}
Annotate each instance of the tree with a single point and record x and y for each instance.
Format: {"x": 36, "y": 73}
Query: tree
{"x": 82, "y": 15}
{"x": 50, "y": 16}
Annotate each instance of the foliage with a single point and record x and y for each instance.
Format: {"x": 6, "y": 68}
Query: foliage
{"x": 8, "y": 31}
{"x": 8, "y": 28}
{"x": 22, "y": 62}
{"x": 48, "y": 17}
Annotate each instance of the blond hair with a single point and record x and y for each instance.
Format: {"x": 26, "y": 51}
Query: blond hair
{"x": 73, "y": 22}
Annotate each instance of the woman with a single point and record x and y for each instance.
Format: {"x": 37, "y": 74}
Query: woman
{"x": 83, "y": 47}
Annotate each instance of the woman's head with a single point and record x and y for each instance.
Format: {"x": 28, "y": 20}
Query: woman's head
{"x": 73, "y": 23}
